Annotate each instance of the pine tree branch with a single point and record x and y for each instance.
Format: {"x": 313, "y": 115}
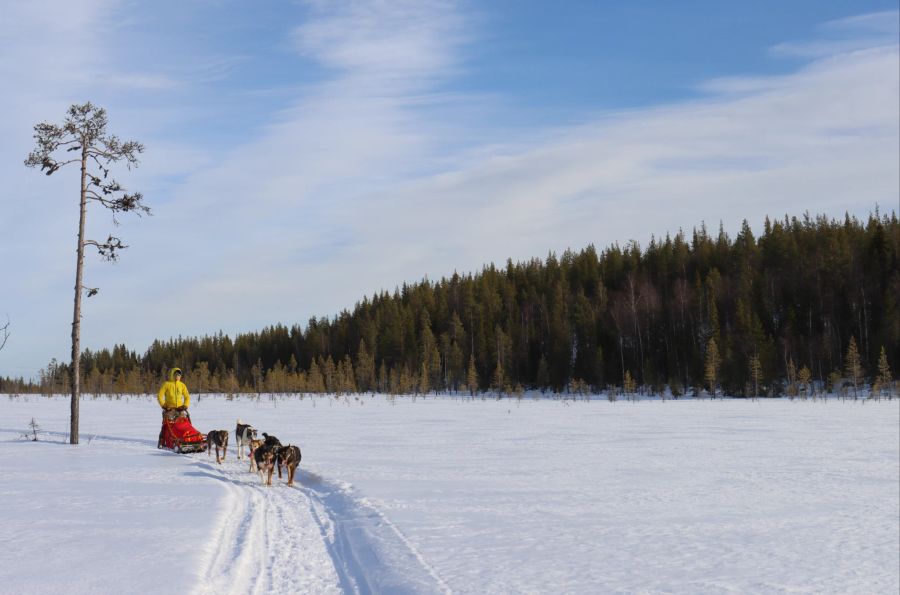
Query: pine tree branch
{"x": 5, "y": 330}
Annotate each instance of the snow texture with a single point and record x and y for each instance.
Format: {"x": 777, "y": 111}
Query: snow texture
{"x": 443, "y": 495}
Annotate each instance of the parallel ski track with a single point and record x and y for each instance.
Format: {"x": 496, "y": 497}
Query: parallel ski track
{"x": 266, "y": 541}
{"x": 312, "y": 538}
{"x": 370, "y": 553}
{"x": 315, "y": 537}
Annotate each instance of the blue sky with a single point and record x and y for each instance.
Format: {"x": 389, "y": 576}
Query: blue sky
{"x": 303, "y": 154}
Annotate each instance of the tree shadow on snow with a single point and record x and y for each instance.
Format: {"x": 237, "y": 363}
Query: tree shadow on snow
{"x": 85, "y": 437}
{"x": 213, "y": 476}
{"x": 48, "y": 437}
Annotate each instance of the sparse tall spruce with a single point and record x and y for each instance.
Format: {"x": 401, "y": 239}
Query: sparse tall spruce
{"x": 498, "y": 379}
{"x": 885, "y": 377}
{"x": 804, "y": 376}
{"x": 472, "y": 376}
{"x": 755, "y": 374}
{"x": 434, "y": 369}
{"x": 629, "y": 385}
{"x": 791, "y": 379}
{"x": 365, "y": 368}
{"x": 853, "y": 366}
{"x": 542, "y": 377}
{"x": 711, "y": 366}
{"x": 424, "y": 385}
{"x": 82, "y": 139}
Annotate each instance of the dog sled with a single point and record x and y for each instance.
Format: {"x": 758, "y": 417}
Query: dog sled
{"x": 178, "y": 435}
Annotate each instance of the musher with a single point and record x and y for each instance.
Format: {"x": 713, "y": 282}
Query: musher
{"x": 173, "y": 398}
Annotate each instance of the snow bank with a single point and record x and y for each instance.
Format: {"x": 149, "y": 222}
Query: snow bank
{"x": 464, "y": 496}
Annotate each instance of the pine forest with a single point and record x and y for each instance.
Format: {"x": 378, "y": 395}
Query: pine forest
{"x": 811, "y": 304}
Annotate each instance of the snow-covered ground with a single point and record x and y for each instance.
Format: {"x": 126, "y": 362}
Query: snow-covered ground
{"x": 450, "y": 495}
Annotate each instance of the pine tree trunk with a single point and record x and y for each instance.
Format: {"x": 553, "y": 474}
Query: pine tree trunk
{"x": 76, "y": 317}
{"x": 865, "y": 329}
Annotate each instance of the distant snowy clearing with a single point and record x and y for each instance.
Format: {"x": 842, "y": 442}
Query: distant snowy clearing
{"x": 454, "y": 495}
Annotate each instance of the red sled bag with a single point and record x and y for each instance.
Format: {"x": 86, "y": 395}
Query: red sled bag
{"x": 180, "y": 436}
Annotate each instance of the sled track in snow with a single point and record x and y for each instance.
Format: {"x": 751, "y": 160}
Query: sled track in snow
{"x": 312, "y": 538}
{"x": 234, "y": 565}
{"x": 265, "y": 542}
{"x": 316, "y": 537}
{"x": 370, "y": 554}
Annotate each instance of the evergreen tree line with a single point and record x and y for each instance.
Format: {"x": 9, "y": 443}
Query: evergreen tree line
{"x": 810, "y": 304}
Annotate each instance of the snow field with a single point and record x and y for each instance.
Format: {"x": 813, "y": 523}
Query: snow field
{"x": 450, "y": 495}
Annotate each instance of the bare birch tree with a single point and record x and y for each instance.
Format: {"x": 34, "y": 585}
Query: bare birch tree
{"x": 82, "y": 139}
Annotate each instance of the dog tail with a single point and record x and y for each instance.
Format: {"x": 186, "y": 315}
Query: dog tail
{"x": 239, "y": 421}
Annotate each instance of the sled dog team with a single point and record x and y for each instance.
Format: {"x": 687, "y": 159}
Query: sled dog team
{"x": 265, "y": 455}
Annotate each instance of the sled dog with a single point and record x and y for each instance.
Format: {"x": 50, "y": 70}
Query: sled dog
{"x": 219, "y": 439}
{"x": 254, "y": 444}
{"x": 271, "y": 440}
{"x": 243, "y": 434}
{"x": 274, "y": 442}
{"x": 289, "y": 457}
{"x": 264, "y": 456}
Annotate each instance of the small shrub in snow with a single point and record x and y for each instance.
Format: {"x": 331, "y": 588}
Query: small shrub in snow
{"x": 34, "y": 430}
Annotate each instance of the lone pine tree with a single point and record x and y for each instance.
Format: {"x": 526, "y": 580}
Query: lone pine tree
{"x": 83, "y": 133}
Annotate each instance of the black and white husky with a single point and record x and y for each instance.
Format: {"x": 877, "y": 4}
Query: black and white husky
{"x": 243, "y": 434}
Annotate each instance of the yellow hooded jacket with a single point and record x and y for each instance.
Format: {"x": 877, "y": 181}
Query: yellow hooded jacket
{"x": 173, "y": 393}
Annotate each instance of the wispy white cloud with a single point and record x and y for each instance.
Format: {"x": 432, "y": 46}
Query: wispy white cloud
{"x": 408, "y": 41}
{"x": 349, "y": 170}
{"x": 380, "y": 173}
{"x": 846, "y": 35}
{"x": 47, "y": 51}
{"x": 261, "y": 222}
{"x": 885, "y": 22}
{"x": 142, "y": 81}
